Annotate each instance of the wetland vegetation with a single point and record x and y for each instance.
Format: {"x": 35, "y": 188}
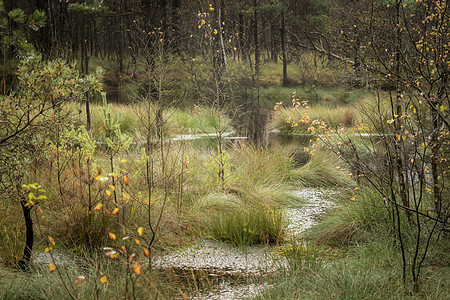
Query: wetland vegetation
{"x": 224, "y": 150}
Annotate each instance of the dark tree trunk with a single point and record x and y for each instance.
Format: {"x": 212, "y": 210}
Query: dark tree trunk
{"x": 175, "y": 24}
{"x": 434, "y": 142}
{"x": 85, "y": 67}
{"x": 356, "y": 46}
{"x": 241, "y": 37}
{"x": 283, "y": 48}
{"x": 255, "y": 36}
{"x": 273, "y": 43}
{"x": 257, "y": 130}
{"x": 24, "y": 263}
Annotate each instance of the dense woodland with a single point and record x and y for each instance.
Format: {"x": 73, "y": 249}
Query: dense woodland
{"x": 130, "y": 129}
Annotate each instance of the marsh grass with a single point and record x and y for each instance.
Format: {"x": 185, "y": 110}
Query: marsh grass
{"x": 323, "y": 169}
{"x": 12, "y": 231}
{"x": 356, "y": 214}
{"x": 151, "y": 284}
{"x": 258, "y": 166}
{"x": 335, "y": 117}
{"x": 370, "y": 271}
{"x": 246, "y": 212}
{"x": 260, "y": 181}
{"x": 368, "y": 261}
{"x": 247, "y": 226}
{"x": 200, "y": 119}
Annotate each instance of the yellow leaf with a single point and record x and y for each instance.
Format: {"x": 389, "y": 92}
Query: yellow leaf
{"x": 112, "y": 187}
{"x": 353, "y": 198}
{"x": 98, "y": 207}
{"x": 101, "y": 178}
{"x": 125, "y": 180}
{"x": 51, "y": 268}
{"x": 51, "y": 240}
{"x": 112, "y": 236}
{"x": 146, "y": 252}
{"x": 137, "y": 242}
{"x": 48, "y": 249}
{"x": 140, "y": 231}
{"x": 104, "y": 279}
{"x": 108, "y": 192}
{"x": 136, "y": 268}
{"x": 115, "y": 211}
{"x": 112, "y": 254}
{"x": 126, "y": 196}
{"x": 79, "y": 279}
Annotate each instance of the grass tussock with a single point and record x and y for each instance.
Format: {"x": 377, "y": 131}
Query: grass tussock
{"x": 256, "y": 166}
{"x": 245, "y": 212}
{"x": 357, "y": 213}
{"x": 370, "y": 271}
{"x": 367, "y": 262}
{"x": 335, "y": 117}
{"x": 247, "y": 226}
{"x": 323, "y": 170}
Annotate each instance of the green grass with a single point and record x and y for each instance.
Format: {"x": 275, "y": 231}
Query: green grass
{"x": 308, "y": 70}
{"x": 151, "y": 284}
{"x": 367, "y": 263}
{"x": 259, "y": 166}
{"x": 245, "y": 226}
{"x": 323, "y": 170}
{"x": 334, "y": 117}
{"x": 256, "y": 188}
{"x": 133, "y": 119}
{"x": 358, "y": 212}
{"x": 12, "y": 233}
{"x": 245, "y": 212}
{"x": 369, "y": 271}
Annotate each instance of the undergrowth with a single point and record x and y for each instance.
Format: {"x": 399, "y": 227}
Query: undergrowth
{"x": 364, "y": 261}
